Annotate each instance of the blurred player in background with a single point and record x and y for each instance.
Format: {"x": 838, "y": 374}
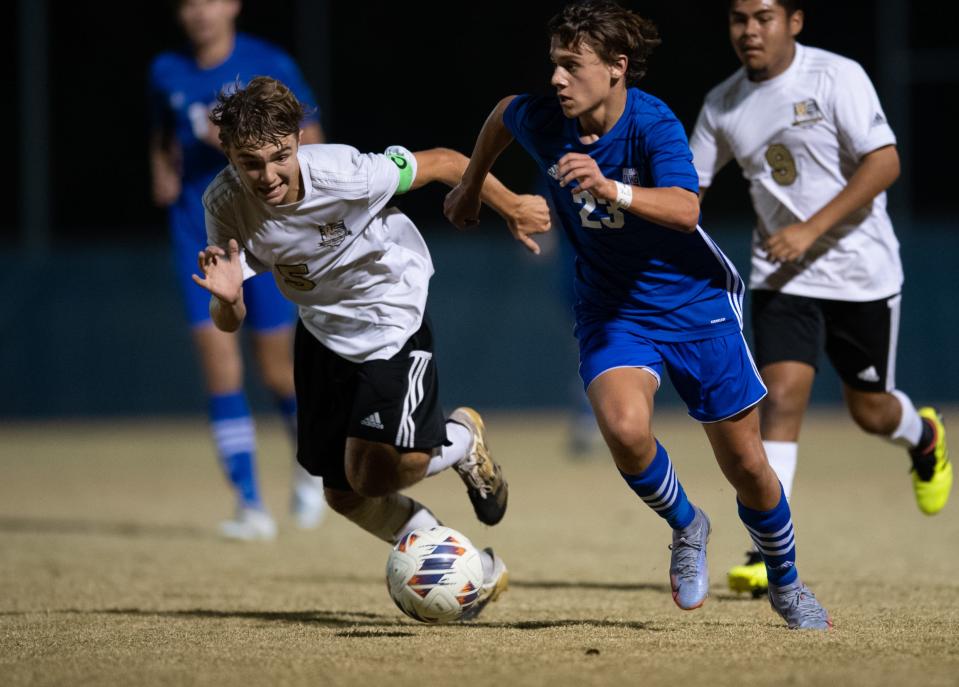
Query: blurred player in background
{"x": 185, "y": 155}
{"x": 807, "y": 129}
{"x": 654, "y": 292}
{"x": 316, "y": 217}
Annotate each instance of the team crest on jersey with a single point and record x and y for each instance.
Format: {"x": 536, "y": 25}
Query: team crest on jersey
{"x": 553, "y": 171}
{"x": 630, "y": 176}
{"x": 806, "y": 113}
{"x": 333, "y": 234}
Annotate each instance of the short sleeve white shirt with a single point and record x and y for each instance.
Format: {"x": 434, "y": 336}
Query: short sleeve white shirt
{"x": 798, "y": 138}
{"x": 358, "y": 271}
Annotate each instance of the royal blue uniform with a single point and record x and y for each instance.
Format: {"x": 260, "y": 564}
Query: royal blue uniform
{"x": 646, "y": 296}
{"x": 181, "y": 95}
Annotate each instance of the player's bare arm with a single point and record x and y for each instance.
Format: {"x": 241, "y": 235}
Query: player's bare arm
{"x": 165, "y": 175}
{"x": 223, "y": 278}
{"x": 876, "y": 172}
{"x": 525, "y": 215}
{"x": 462, "y": 204}
{"x": 673, "y": 207}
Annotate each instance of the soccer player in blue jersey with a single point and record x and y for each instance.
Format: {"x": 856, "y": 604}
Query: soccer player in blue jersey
{"x": 185, "y": 156}
{"x": 654, "y": 291}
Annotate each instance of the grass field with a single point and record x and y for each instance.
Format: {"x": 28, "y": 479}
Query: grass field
{"x": 111, "y": 572}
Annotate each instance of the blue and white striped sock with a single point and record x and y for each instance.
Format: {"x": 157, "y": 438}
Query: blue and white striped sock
{"x": 233, "y": 434}
{"x": 659, "y": 488}
{"x": 772, "y": 533}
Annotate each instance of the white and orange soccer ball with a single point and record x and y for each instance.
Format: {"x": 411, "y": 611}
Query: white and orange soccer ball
{"x": 434, "y": 574}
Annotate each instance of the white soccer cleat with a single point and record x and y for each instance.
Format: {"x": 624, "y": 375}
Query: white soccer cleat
{"x": 495, "y": 582}
{"x": 307, "y": 504}
{"x": 249, "y": 524}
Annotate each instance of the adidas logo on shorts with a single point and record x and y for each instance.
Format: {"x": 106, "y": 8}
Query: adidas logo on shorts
{"x": 372, "y": 421}
{"x": 869, "y": 374}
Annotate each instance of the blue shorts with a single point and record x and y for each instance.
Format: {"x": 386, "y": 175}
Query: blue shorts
{"x": 716, "y": 377}
{"x": 266, "y": 308}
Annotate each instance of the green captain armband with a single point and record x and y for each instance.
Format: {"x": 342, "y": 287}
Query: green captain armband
{"x": 406, "y": 163}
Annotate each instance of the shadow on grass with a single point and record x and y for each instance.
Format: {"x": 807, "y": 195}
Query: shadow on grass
{"x": 585, "y": 584}
{"x": 134, "y": 530}
{"x": 378, "y": 625}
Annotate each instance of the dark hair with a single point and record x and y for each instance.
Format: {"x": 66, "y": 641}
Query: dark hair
{"x": 610, "y": 30}
{"x": 791, "y": 6}
{"x": 266, "y": 111}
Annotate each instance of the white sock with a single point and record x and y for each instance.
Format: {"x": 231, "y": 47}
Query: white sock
{"x": 303, "y": 481}
{"x": 420, "y": 518}
{"x": 462, "y": 441}
{"x": 909, "y": 431}
{"x": 782, "y": 459}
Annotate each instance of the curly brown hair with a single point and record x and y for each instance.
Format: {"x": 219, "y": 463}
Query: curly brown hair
{"x": 263, "y": 112}
{"x": 610, "y": 30}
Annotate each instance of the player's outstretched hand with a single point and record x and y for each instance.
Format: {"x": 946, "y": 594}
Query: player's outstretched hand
{"x": 462, "y": 207}
{"x": 790, "y": 243}
{"x": 530, "y": 215}
{"x": 222, "y": 272}
{"x": 582, "y": 172}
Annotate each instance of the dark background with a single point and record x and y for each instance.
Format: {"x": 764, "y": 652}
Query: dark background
{"x": 97, "y": 305}
{"x": 422, "y": 74}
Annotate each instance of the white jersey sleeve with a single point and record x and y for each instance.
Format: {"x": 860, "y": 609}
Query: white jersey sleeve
{"x": 353, "y": 175}
{"x": 858, "y": 116}
{"x": 221, "y": 227}
{"x": 710, "y": 150}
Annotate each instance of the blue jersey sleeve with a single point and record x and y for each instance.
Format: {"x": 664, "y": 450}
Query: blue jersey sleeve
{"x": 670, "y": 160}
{"x": 515, "y": 115}
{"x": 160, "y": 118}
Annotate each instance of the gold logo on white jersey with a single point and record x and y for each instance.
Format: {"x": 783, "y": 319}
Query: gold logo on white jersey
{"x": 333, "y": 234}
{"x": 806, "y": 113}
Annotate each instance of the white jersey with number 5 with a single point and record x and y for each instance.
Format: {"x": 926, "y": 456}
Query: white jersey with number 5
{"x": 358, "y": 272}
{"x": 798, "y": 138}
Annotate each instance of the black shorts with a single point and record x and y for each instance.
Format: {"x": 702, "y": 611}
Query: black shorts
{"x": 394, "y": 401}
{"x": 859, "y": 337}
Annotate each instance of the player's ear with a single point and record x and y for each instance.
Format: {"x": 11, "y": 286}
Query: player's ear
{"x": 617, "y": 69}
{"x": 796, "y": 20}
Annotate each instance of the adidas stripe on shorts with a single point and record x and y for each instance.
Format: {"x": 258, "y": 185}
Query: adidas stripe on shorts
{"x": 859, "y": 338}
{"x": 394, "y": 401}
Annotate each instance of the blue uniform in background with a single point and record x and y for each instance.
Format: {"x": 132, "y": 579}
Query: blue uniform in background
{"x": 646, "y": 296}
{"x": 181, "y": 95}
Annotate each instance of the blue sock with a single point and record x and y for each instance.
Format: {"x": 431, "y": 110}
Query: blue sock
{"x": 287, "y": 407}
{"x": 658, "y": 487}
{"x": 772, "y": 532}
{"x": 233, "y": 434}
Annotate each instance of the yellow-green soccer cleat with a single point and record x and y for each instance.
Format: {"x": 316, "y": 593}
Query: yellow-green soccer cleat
{"x": 932, "y": 471}
{"x": 749, "y": 577}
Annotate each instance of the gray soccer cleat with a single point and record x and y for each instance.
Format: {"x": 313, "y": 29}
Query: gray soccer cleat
{"x": 482, "y": 476}
{"x": 494, "y": 584}
{"x": 798, "y": 606}
{"x": 688, "y": 572}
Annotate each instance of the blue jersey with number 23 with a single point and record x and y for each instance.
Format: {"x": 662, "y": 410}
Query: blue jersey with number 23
{"x": 670, "y": 285}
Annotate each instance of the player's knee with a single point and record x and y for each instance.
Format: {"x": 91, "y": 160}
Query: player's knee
{"x": 372, "y": 469}
{"x": 628, "y": 429}
{"x": 342, "y": 502}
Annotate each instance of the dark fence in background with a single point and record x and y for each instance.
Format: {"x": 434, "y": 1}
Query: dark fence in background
{"x": 99, "y": 331}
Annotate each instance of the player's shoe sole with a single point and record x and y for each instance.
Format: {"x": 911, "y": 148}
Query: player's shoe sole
{"x": 493, "y": 588}
{"x": 483, "y": 477}
{"x": 750, "y": 577}
{"x": 933, "y": 494}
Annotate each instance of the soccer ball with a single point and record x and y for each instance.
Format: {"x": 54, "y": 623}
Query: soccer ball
{"x": 434, "y": 574}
